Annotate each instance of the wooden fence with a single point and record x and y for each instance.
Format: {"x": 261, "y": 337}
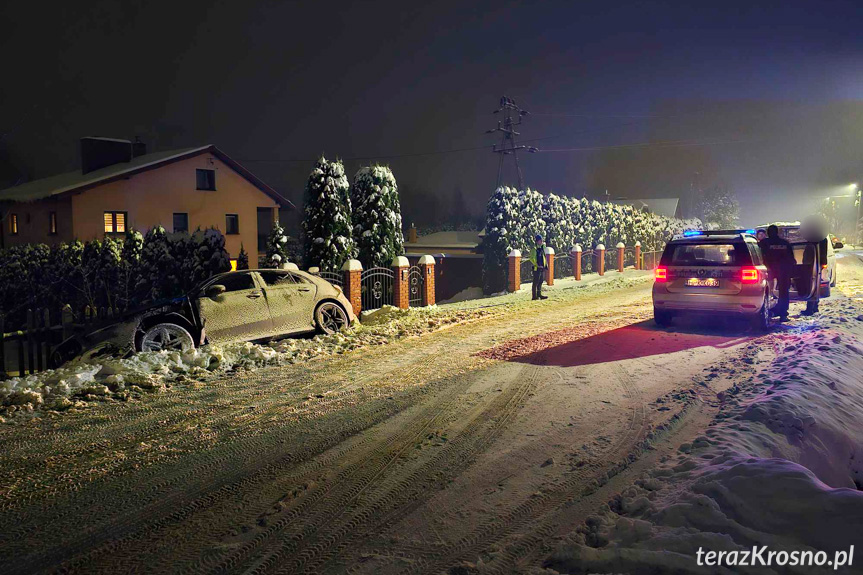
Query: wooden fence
{"x": 31, "y": 347}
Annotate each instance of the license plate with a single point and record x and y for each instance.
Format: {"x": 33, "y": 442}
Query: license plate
{"x": 702, "y": 282}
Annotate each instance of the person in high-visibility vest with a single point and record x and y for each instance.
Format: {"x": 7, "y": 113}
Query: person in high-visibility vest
{"x": 539, "y": 262}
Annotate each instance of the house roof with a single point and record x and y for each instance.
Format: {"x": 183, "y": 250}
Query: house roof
{"x": 660, "y": 206}
{"x": 74, "y": 182}
{"x": 465, "y": 239}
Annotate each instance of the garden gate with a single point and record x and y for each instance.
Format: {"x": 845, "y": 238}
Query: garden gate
{"x": 377, "y": 288}
{"x": 416, "y": 283}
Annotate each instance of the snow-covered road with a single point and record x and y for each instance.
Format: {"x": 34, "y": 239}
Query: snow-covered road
{"x": 482, "y": 447}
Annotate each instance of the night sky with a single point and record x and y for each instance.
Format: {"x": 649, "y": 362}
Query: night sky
{"x": 763, "y": 98}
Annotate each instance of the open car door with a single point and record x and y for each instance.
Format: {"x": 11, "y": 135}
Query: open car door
{"x": 806, "y": 276}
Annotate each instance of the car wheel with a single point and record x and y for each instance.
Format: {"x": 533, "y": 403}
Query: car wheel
{"x": 662, "y": 318}
{"x": 762, "y": 320}
{"x": 167, "y": 337}
{"x": 330, "y": 317}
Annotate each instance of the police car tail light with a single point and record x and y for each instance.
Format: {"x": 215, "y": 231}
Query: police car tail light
{"x": 661, "y": 274}
{"x": 749, "y": 275}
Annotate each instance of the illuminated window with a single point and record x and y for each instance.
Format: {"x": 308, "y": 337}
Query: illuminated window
{"x": 233, "y": 265}
{"x": 206, "y": 179}
{"x": 13, "y": 224}
{"x": 115, "y": 222}
{"x": 232, "y": 224}
{"x": 52, "y": 223}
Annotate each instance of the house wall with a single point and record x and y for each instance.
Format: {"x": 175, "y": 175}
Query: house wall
{"x": 151, "y": 198}
{"x": 33, "y": 222}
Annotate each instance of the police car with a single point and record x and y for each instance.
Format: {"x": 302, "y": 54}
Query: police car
{"x": 719, "y": 272}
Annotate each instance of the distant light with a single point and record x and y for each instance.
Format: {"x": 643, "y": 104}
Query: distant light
{"x": 853, "y": 186}
{"x": 690, "y": 233}
{"x": 750, "y": 232}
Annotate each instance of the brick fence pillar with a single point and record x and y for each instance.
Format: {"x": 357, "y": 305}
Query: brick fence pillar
{"x": 599, "y": 250}
{"x": 576, "y": 262}
{"x": 513, "y": 278}
{"x": 620, "y": 249}
{"x": 426, "y": 265}
{"x": 549, "y": 272}
{"x": 401, "y": 285}
{"x": 352, "y": 273}
{"x": 638, "y": 262}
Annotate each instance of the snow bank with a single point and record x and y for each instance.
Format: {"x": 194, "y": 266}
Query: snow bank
{"x": 781, "y": 466}
{"x": 103, "y": 379}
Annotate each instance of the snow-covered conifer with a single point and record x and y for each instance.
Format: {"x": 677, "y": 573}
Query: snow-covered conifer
{"x": 327, "y": 228}
{"x": 242, "y": 259}
{"x": 376, "y": 216}
{"x": 277, "y": 247}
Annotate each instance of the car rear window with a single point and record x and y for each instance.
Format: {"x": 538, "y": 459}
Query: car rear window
{"x": 707, "y": 254}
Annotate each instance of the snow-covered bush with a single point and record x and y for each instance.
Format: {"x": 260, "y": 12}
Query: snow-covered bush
{"x": 242, "y": 259}
{"x": 376, "y": 216}
{"x": 210, "y": 256}
{"x": 503, "y": 230}
{"x": 327, "y": 228}
{"x": 277, "y": 247}
{"x": 108, "y": 273}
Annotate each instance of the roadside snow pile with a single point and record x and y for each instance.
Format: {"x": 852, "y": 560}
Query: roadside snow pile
{"x": 107, "y": 379}
{"x": 781, "y": 466}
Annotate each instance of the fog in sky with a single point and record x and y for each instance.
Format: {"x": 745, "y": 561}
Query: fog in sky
{"x": 668, "y": 97}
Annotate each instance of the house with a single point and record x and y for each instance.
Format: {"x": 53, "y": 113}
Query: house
{"x": 669, "y": 207}
{"x": 450, "y": 243}
{"x": 121, "y": 187}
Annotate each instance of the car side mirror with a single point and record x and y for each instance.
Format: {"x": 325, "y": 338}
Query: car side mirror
{"x": 838, "y": 245}
{"x": 215, "y": 291}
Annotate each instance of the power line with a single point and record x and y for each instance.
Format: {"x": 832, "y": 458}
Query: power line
{"x": 667, "y": 144}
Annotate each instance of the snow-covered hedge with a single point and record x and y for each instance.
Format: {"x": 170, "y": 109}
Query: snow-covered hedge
{"x": 513, "y": 218}
{"x": 109, "y": 273}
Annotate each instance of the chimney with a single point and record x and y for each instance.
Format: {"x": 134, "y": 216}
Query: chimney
{"x": 412, "y": 234}
{"x": 97, "y": 153}
{"x": 139, "y": 148}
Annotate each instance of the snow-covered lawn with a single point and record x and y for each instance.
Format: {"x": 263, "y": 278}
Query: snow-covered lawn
{"x": 106, "y": 379}
{"x": 781, "y": 466}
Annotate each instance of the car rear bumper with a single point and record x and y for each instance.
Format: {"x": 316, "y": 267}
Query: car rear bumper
{"x": 738, "y": 304}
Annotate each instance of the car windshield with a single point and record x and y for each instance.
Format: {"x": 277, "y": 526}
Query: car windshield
{"x": 707, "y": 254}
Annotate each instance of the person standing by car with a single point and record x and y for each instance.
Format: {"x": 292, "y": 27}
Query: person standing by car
{"x": 539, "y": 265}
{"x": 779, "y": 258}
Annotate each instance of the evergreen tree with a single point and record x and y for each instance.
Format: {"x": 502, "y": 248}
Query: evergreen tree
{"x": 209, "y": 256}
{"x": 503, "y": 231}
{"x": 242, "y": 259}
{"x": 156, "y": 260}
{"x": 718, "y": 208}
{"x": 277, "y": 247}
{"x": 376, "y": 216}
{"x": 130, "y": 260}
{"x": 327, "y": 231}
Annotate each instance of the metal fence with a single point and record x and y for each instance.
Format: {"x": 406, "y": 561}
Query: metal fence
{"x": 562, "y": 266}
{"x": 649, "y": 260}
{"x": 335, "y": 278}
{"x": 29, "y": 350}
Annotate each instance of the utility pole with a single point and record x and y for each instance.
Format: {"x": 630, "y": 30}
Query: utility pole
{"x": 512, "y": 116}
